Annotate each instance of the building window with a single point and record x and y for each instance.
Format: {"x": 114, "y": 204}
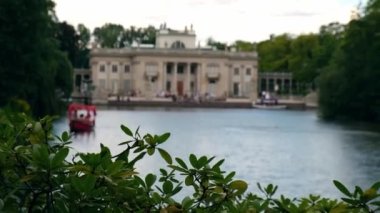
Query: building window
{"x": 127, "y": 85}
{"x": 236, "y": 89}
{"x": 248, "y": 71}
{"x": 178, "y": 45}
{"x": 168, "y": 86}
{"x": 114, "y": 68}
{"x": 126, "y": 68}
{"x": 236, "y": 71}
{"x": 180, "y": 69}
{"x": 102, "y": 84}
{"x": 192, "y": 86}
{"x": 102, "y": 68}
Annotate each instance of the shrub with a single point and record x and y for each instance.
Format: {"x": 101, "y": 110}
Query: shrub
{"x": 37, "y": 173}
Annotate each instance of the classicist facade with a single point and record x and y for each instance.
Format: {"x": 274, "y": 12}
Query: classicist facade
{"x": 174, "y": 66}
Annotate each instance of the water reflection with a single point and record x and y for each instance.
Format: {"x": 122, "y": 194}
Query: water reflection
{"x": 293, "y": 149}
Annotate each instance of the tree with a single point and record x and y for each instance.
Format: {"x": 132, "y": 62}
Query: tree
{"x": 350, "y": 88}
{"x": 244, "y": 46}
{"x": 84, "y": 36}
{"x": 109, "y": 35}
{"x": 30, "y": 60}
{"x": 274, "y": 54}
{"x": 68, "y": 41}
{"x": 216, "y": 44}
{"x": 303, "y": 57}
{"x": 83, "y": 57}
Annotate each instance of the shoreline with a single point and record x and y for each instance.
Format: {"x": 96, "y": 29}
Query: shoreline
{"x": 213, "y": 104}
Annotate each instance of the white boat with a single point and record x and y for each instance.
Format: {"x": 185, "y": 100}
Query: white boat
{"x": 266, "y": 106}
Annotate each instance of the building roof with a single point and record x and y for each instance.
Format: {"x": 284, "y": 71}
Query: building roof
{"x": 132, "y": 52}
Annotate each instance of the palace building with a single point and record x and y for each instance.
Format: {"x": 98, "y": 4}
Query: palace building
{"x": 174, "y": 66}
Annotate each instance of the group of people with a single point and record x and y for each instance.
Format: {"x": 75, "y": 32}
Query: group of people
{"x": 268, "y": 98}
{"x": 193, "y": 97}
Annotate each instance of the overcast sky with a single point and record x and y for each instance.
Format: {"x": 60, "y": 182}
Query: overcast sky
{"x": 224, "y": 20}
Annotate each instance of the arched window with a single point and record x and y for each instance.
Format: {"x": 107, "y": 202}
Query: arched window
{"x": 178, "y": 45}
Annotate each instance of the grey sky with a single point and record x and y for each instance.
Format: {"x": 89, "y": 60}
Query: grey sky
{"x": 224, "y": 20}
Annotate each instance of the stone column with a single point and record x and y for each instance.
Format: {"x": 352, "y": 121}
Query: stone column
{"x": 187, "y": 78}
{"x": 174, "y": 79}
{"x": 242, "y": 82}
{"x": 198, "y": 79}
{"x": 108, "y": 73}
{"x": 163, "y": 76}
{"x": 283, "y": 84}
{"x": 290, "y": 86}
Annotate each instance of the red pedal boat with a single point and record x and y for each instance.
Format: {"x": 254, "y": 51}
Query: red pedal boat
{"x": 81, "y": 117}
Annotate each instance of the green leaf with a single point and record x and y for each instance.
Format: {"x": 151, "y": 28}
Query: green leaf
{"x": 202, "y": 161}
{"x": 350, "y": 201}
{"x": 239, "y": 185}
{"x": 187, "y": 202}
{"x": 167, "y": 187}
{"x": 376, "y": 203}
{"x": 126, "y": 130}
{"x": 342, "y": 188}
{"x": 65, "y": 136}
{"x": 189, "y": 180}
{"x": 126, "y": 142}
{"x": 1, "y": 204}
{"x": 60, "y": 157}
{"x": 139, "y": 157}
{"x": 84, "y": 184}
{"x": 181, "y": 163}
{"x": 176, "y": 190}
{"x": 193, "y": 161}
{"x": 376, "y": 186}
{"x": 150, "y": 151}
{"x": 218, "y": 164}
{"x": 230, "y": 176}
{"x": 178, "y": 168}
{"x": 163, "y": 172}
{"x": 150, "y": 179}
{"x": 162, "y": 138}
{"x": 165, "y": 155}
{"x": 140, "y": 181}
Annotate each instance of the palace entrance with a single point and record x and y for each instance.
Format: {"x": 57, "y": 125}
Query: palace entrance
{"x": 180, "y": 88}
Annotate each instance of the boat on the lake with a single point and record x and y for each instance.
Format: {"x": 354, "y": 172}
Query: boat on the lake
{"x": 268, "y": 101}
{"x": 81, "y": 117}
{"x": 265, "y": 106}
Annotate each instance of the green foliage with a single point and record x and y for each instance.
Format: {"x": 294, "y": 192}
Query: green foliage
{"x": 274, "y": 54}
{"x": 115, "y": 36}
{"x": 108, "y": 35}
{"x": 38, "y": 173}
{"x": 216, "y": 44}
{"x": 349, "y": 87}
{"x": 32, "y": 67}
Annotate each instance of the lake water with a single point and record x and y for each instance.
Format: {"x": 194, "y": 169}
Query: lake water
{"x": 292, "y": 149}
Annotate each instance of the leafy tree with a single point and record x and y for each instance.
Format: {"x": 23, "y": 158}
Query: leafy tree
{"x": 109, "y": 35}
{"x": 141, "y": 35}
{"x": 84, "y": 36}
{"x": 216, "y": 44}
{"x": 244, "y": 46}
{"x": 303, "y": 57}
{"x": 68, "y": 41}
{"x": 30, "y": 60}
{"x": 349, "y": 88}
{"x": 83, "y": 57}
{"x": 274, "y": 54}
